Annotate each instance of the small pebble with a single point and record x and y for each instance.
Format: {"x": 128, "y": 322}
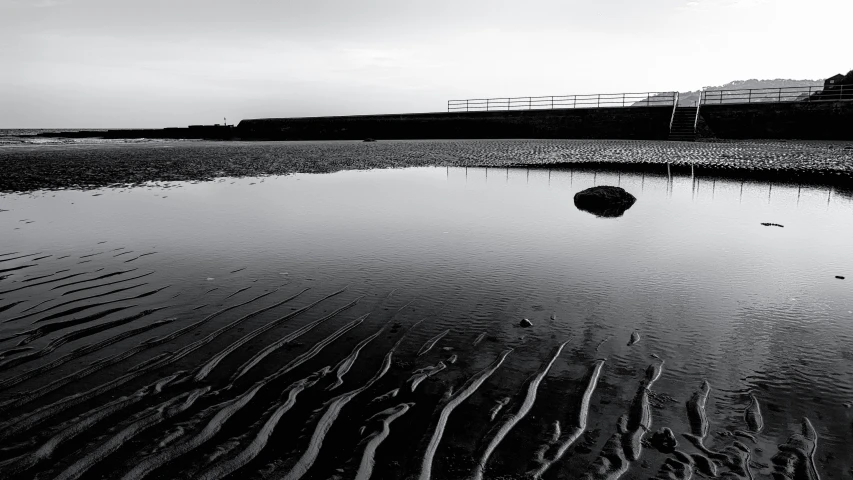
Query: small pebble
{"x": 525, "y": 323}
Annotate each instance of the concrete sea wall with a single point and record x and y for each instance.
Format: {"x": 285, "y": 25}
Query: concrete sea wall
{"x": 824, "y": 120}
{"x": 785, "y": 120}
{"x": 641, "y": 123}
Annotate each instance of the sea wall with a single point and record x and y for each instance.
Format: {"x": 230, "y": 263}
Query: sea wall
{"x": 205, "y": 132}
{"x": 786, "y": 120}
{"x": 642, "y": 123}
{"x": 824, "y": 120}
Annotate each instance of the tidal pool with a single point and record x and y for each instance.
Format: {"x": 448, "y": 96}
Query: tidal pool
{"x": 365, "y": 324}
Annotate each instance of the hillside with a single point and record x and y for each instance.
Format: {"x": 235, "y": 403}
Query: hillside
{"x": 690, "y": 98}
{"x": 687, "y": 99}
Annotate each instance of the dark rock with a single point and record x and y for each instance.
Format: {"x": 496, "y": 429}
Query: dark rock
{"x": 839, "y": 277}
{"x": 664, "y": 440}
{"x": 635, "y": 337}
{"x": 767, "y": 224}
{"x": 604, "y": 201}
{"x": 525, "y": 323}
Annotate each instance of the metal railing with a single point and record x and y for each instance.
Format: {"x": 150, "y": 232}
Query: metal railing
{"x": 596, "y": 100}
{"x": 696, "y": 118}
{"x": 674, "y": 108}
{"x": 781, "y": 94}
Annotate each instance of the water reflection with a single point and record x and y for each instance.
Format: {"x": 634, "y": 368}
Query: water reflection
{"x": 714, "y": 295}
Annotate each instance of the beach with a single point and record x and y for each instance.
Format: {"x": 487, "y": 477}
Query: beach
{"x": 368, "y": 323}
{"x": 102, "y": 164}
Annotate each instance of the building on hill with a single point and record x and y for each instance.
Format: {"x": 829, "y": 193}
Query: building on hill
{"x": 833, "y": 81}
{"x": 836, "y": 87}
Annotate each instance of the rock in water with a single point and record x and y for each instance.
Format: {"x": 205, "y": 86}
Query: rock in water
{"x": 768, "y": 224}
{"x": 635, "y": 337}
{"x": 525, "y": 323}
{"x": 604, "y": 201}
{"x": 839, "y": 277}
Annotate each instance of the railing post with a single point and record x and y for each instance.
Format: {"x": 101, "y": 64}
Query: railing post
{"x": 574, "y": 101}
{"x": 487, "y": 104}
{"x": 552, "y": 102}
{"x": 779, "y": 96}
{"x": 466, "y": 105}
{"x": 696, "y": 119}
{"x": 598, "y": 102}
{"x": 674, "y": 106}
{"x": 841, "y": 93}
{"x": 623, "y": 99}
{"x": 530, "y": 103}
{"x": 749, "y": 99}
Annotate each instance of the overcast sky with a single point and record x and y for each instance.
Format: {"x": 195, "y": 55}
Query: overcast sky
{"x": 158, "y": 63}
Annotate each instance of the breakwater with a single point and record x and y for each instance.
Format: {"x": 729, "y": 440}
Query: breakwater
{"x": 641, "y": 123}
{"x": 193, "y": 132}
{"x": 637, "y": 123}
{"x": 779, "y": 120}
{"x": 824, "y": 120}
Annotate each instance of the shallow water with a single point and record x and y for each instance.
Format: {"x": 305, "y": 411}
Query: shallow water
{"x": 446, "y": 261}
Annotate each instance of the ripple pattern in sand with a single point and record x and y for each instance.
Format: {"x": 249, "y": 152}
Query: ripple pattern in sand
{"x": 319, "y": 371}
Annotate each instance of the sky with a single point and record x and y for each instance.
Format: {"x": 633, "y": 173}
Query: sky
{"x": 162, "y": 63}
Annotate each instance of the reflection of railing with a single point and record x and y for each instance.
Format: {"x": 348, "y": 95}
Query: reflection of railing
{"x": 596, "y": 100}
{"x": 780, "y": 94}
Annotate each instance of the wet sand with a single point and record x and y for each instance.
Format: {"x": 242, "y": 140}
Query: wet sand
{"x": 349, "y": 343}
{"x": 28, "y": 168}
{"x": 178, "y": 414}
